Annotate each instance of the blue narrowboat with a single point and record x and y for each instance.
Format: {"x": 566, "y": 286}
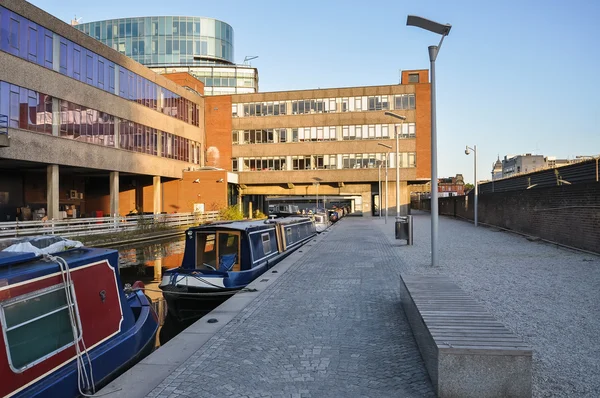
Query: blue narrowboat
{"x": 68, "y": 327}
{"x": 222, "y": 258}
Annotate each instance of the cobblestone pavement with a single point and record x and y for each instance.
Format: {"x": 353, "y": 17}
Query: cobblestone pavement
{"x": 548, "y": 295}
{"x": 331, "y": 326}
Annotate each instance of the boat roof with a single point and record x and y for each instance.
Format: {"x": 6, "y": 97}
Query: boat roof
{"x": 245, "y": 225}
{"x": 20, "y": 266}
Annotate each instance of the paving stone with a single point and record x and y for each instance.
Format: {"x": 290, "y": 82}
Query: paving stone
{"x": 330, "y": 326}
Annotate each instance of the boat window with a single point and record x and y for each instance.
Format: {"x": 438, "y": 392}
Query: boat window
{"x": 206, "y": 251}
{"x": 37, "y": 325}
{"x": 229, "y": 246}
{"x": 288, "y": 232}
{"x": 266, "y": 241}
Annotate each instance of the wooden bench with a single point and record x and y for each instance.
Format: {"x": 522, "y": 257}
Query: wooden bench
{"x": 466, "y": 351}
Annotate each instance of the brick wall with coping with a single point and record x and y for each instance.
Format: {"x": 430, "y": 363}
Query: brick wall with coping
{"x": 567, "y": 214}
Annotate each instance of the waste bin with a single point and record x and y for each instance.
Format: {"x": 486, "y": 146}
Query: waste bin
{"x": 404, "y": 229}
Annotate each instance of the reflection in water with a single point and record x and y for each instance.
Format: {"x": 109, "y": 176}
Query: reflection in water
{"x": 146, "y": 262}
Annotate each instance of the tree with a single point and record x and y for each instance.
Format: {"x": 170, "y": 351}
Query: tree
{"x": 468, "y": 187}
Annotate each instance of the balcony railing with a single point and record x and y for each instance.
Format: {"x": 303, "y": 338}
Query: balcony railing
{"x": 103, "y": 225}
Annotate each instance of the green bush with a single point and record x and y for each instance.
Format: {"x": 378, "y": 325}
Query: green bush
{"x": 259, "y": 214}
{"x": 231, "y": 213}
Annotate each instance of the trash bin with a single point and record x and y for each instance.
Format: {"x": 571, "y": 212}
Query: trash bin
{"x": 404, "y": 229}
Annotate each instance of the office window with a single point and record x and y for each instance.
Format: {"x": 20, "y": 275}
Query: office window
{"x": 413, "y": 78}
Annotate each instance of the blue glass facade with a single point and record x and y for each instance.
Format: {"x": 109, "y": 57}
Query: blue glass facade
{"x": 166, "y": 41}
{"x": 27, "y": 40}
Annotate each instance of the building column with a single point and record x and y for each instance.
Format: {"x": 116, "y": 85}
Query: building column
{"x": 52, "y": 191}
{"x": 114, "y": 193}
{"x": 288, "y": 163}
{"x": 117, "y": 79}
{"x": 117, "y": 135}
{"x": 157, "y": 194}
{"x": 55, "y": 117}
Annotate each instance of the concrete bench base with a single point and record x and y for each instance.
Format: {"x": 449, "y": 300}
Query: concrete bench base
{"x": 466, "y": 351}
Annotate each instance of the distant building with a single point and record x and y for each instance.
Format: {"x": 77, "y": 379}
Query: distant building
{"x": 202, "y": 47}
{"x": 451, "y": 186}
{"x": 518, "y": 164}
{"x": 497, "y": 169}
{"x": 522, "y": 164}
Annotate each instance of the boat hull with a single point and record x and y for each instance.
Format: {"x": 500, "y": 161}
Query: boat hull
{"x": 126, "y": 350}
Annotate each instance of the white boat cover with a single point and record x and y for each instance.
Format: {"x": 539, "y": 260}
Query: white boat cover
{"x": 47, "y": 244}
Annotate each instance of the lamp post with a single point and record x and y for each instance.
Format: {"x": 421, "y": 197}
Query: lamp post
{"x": 444, "y": 30}
{"x": 317, "y": 183}
{"x": 386, "y": 177}
{"x": 402, "y": 118}
{"x": 379, "y": 191}
{"x": 474, "y": 149}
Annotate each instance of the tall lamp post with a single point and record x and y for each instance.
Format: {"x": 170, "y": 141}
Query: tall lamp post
{"x": 474, "y": 149}
{"x": 402, "y": 118}
{"x": 379, "y": 191}
{"x": 317, "y": 183}
{"x": 441, "y": 29}
{"x": 387, "y": 157}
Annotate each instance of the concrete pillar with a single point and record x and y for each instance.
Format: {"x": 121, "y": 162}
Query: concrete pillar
{"x": 56, "y": 52}
{"x": 250, "y": 210}
{"x": 157, "y": 194}
{"x": 52, "y": 191}
{"x": 117, "y": 80}
{"x": 117, "y": 139}
{"x": 159, "y": 144}
{"x": 55, "y": 116}
{"x": 114, "y": 193}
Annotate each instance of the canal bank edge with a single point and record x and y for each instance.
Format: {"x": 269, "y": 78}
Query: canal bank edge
{"x": 154, "y": 369}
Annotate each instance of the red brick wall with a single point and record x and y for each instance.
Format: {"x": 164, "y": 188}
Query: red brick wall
{"x": 423, "y": 133}
{"x": 180, "y": 195}
{"x": 565, "y": 214}
{"x": 217, "y": 123}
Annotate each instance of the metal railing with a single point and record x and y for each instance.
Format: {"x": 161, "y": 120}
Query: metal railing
{"x": 102, "y": 225}
{"x": 3, "y": 124}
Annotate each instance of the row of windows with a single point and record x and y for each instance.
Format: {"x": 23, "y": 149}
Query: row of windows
{"x": 328, "y": 105}
{"x": 27, "y": 40}
{"x": 144, "y": 38}
{"x": 29, "y": 110}
{"x": 155, "y": 26}
{"x": 321, "y": 162}
{"x": 326, "y": 133}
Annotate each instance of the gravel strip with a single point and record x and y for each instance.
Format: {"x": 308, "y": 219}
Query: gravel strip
{"x": 548, "y": 295}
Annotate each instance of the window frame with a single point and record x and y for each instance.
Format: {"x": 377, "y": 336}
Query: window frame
{"x": 29, "y": 296}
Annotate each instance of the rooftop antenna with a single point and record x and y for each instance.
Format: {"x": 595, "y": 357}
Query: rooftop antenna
{"x": 76, "y": 21}
{"x": 249, "y": 58}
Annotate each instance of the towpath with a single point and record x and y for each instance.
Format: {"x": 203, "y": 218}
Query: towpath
{"x": 328, "y": 322}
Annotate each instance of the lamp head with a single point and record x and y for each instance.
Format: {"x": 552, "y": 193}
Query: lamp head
{"x": 392, "y": 114}
{"x": 467, "y": 151}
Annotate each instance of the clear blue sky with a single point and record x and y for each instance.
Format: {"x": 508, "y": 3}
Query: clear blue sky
{"x": 512, "y": 77}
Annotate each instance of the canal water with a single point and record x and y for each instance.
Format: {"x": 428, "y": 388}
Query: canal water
{"x": 146, "y": 262}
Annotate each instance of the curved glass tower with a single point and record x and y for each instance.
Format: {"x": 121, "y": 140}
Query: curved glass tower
{"x": 201, "y": 46}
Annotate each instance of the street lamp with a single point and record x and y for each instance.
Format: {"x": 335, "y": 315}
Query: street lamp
{"x": 402, "y": 118}
{"x": 474, "y": 149}
{"x": 444, "y": 30}
{"x": 379, "y": 190}
{"x": 386, "y": 178}
{"x": 317, "y": 183}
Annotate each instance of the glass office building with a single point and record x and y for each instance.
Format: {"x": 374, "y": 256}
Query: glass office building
{"x": 201, "y": 46}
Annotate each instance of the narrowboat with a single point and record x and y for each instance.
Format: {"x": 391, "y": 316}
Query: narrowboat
{"x": 220, "y": 259}
{"x": 321, "y": 221}
{"x": 68, "y": 327}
